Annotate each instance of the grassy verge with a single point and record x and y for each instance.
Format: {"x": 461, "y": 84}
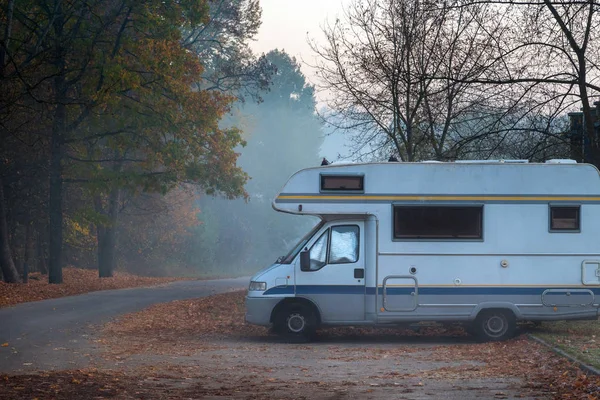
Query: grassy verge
{"x": 581, "y": 339}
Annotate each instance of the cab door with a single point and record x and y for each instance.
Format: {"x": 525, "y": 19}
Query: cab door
{"x": 335, "y": 279}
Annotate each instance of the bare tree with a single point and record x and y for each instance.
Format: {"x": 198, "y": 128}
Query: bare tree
{"x": 552, "y": 49}
{"x": 571, "y": 49}
{"x": 403, "y": 75}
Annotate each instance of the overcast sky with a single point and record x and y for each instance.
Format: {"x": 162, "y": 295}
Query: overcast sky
{"x": 288, "y": 23}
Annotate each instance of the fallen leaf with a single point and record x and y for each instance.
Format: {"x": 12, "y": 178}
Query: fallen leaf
{"x": 75, "y": 281}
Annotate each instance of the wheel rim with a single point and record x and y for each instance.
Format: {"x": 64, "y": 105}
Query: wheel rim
{"x": 495, "y": 325}
{"x": 296, "y": 322}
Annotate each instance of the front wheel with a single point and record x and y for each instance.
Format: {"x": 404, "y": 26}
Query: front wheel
{"x": 495, "y": 325}
{"x": 296, "y": 322}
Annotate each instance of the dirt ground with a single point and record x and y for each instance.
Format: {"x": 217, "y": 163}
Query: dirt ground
{"x": 202, "y": 349}
{"x": 378, "y": 368}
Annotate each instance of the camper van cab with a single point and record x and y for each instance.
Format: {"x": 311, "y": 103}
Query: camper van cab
{"x": 486, "y": 244}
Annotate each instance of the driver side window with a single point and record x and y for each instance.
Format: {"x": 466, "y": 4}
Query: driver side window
{"x": 344, "y": 244}
{"x": 343, "y": 248}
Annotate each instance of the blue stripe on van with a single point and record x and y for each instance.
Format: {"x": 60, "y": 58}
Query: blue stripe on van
{"x": 427, "y": 290}
{"x": 330, "y": 289}
{"x": 317, "y": 289}
{"x": 280, "y": 290}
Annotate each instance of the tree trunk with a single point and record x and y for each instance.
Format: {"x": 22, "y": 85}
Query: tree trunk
{"x": 99, "y": 229}
{"x": 55, "y": 204}
{"x": 19, "y": 265}
{"x": 7, "y": 33}
{"x": 58, "y": 128}
{"x": 9, "y": 272}
{"x": 593, "y": 153}
{"x": 27, "y": 250}
{"x": 41, "y": 255}
{"x": 107, "y": 235}
{"x": 14, "y": 240}
{"x": 106, "y": 253}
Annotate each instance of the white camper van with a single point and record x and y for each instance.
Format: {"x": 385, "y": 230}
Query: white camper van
{"x": 482, "y": 243}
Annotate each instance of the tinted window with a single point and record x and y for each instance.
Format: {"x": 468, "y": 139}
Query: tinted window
{"x": 564, "y": 218}
{"x": 344, "y": 244}
{"x": 438, "y": 222}
{"x": 342, "y": 183}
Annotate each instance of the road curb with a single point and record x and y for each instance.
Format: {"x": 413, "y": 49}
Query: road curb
{"x": 583, "y": 366}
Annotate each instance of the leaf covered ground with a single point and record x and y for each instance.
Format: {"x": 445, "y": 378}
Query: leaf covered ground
{"x": 184, "y": 327}
{"x": 75, "y": 281}
{"x": 170, "y": 328}
{"x": 202, "y": 348}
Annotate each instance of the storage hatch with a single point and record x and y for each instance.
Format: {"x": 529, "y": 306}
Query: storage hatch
{"x": 567, "y": 297}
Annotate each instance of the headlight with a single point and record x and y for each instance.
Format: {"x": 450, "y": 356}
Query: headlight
{"x": 257, "y": 286}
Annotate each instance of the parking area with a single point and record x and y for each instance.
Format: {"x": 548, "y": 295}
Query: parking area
{"x": 379, "y": 366}
{"x": 201, "y": 348}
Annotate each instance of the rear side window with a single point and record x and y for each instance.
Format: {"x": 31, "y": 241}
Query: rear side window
{"x": 438, "y": 222}
{"x": 565, "y": 218}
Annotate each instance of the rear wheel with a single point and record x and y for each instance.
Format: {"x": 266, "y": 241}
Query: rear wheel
{"x": 495, "y": 325}
{"x": 296, "y": 322}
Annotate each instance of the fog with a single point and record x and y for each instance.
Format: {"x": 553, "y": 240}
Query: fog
{"x": 283, "y": 134}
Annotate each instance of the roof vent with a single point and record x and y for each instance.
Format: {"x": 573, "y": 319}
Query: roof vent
{"x": 561, "y": 161}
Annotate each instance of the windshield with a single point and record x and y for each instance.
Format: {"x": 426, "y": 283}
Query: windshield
{"x": 296, "y": 249}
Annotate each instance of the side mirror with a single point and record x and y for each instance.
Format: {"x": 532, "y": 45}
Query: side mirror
{"x": 305, "y": 260}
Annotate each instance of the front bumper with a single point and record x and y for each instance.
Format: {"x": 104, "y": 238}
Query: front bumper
{"x": 258, "y": 309}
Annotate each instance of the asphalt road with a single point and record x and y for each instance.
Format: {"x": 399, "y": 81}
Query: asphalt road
{"x": 60, "y": 333}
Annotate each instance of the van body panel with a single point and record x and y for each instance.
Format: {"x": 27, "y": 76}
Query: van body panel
{"x": 258, "y": 309}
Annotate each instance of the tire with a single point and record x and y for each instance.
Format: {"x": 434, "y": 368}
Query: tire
{"x": 495, "y": 325}
{"x": 296, "y": 322}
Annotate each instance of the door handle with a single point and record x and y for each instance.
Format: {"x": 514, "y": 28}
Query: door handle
{"x": 359, "y": 273}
